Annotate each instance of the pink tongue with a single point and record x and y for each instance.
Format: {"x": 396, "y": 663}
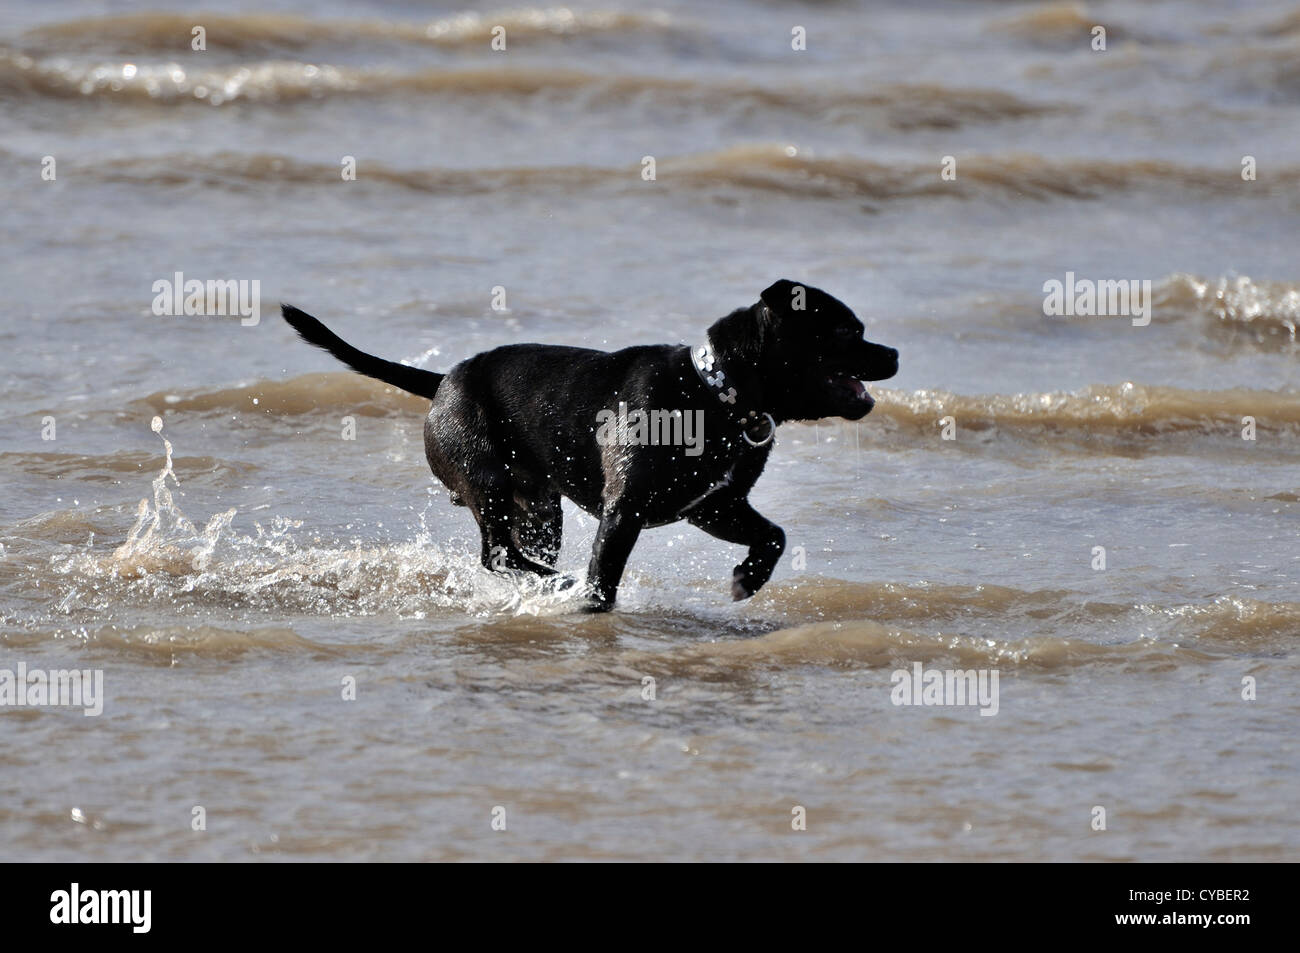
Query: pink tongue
{"x": 859, "y": 388}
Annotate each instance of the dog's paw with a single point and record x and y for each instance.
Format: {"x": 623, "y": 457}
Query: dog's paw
{"x": 592, "y": 604}
{"x": 749, "y": 577}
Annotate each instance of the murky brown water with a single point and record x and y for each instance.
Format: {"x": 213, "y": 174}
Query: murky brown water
{"x": 228, "y": 599}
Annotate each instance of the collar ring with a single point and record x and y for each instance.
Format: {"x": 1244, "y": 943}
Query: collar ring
{"x": 771, "y": 432}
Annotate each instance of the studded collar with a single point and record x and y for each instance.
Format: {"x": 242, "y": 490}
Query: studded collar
{"x": 758, "y": 428}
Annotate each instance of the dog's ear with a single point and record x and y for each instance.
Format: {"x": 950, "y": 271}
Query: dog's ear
{"x": 781, "y": 296}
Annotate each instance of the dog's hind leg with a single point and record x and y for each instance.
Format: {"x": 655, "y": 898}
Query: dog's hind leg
{"x": 472, "y": 467}
{"x": 492, "y": 504}
{"x": 538, "y": 527}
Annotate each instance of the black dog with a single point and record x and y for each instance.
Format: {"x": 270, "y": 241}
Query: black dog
{"x": 513, "y": 429}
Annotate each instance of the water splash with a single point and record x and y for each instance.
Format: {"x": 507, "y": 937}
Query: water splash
{"x": 155, "y": 524}
{"x": 167, "y": 559}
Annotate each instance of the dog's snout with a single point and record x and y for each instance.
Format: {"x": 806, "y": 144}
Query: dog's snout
{"x": 882, "y": 362}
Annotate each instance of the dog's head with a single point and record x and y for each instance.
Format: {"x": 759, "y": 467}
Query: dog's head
{"x": 809, "y": 354}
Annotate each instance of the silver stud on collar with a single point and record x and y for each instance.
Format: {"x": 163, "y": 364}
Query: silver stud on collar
{"x": 706, "y": 365}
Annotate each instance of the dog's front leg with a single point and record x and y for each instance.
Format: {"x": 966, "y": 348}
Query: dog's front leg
{"x": 732, "y": 519}
{"x": 615, "y": 537}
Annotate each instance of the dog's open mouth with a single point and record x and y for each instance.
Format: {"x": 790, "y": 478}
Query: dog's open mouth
{"x": 843, "y": 385}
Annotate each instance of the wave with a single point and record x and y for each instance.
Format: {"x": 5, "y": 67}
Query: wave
{"x": 169, "y": 645}
{"x": 1122, "y": 416}
{"x": 902, "y": 106}
{"x": 306, "y": 394}
{"x": 1263, "y": 312}
{"x": 1226, "y": 623}
{"x": 768, "y": 168}
{"x": 259, "y": 33}
{"x": 859, "y": 642}
{"x": 109, "y": 467}
{"x": 887, "y": 625}
{"x": 872, "y": 644}
{"x": 864, "y": 623}
{"x": 1192, "y": 633}
{"x": 1058, "y": 23}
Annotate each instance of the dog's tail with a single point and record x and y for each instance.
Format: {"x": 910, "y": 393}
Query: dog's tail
{"x": 411, "y": 379}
